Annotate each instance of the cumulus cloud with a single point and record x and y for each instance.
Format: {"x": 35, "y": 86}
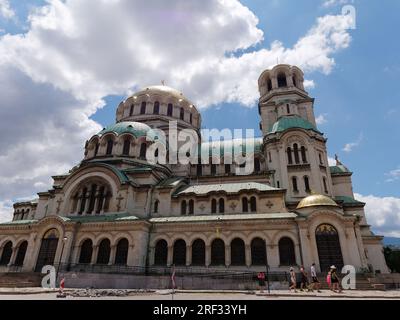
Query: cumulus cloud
{"x": 383, "y": 213}
{"x": 6, "y": 209}
{"x": 393, "y": 175}
{"x": 5, "y": 9}
{"x": 348, "y": 147}
{"x": 331, "y": 161}
{"x": 54, "y": 76}
{"x": 321, "y": 119}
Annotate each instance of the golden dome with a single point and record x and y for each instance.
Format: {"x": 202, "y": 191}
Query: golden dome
{"x": 316, "y": 200}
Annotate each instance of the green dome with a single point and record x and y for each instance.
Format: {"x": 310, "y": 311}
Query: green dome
{"x": 338, "y": 169}
{"x": 138, "y": 129}
{"x": 288, "y": 122}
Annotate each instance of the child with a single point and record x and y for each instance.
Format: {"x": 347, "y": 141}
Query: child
{"x": 328, "y": 280}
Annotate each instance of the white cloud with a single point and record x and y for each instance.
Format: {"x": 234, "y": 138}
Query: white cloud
{"x": 321, "y": 119}
{"x": 6, "y": 211}
{"x": 393, "y": 175}
{"x": 348, "y": 147}
{"x": 383, "y": 213}
{"x": 332, "y": 3}
{"x": 331, "y": 161}
{"x": 5, "y": 9}
{"x": 53, "y": 77}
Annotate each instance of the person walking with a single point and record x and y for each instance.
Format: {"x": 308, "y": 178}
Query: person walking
{"x": 314, "y": 279}
{"x": 329, "y": 280}
{"x": 261, "y": 281}
{"x": 335, "y": 280}
{"x": 292, "y": 280}
{"x": 304, "y": 279}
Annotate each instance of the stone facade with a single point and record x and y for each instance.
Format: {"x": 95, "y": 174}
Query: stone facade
{"x": 117, "y": 208}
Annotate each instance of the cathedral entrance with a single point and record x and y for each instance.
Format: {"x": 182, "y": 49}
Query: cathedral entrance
{"x": 328, "y": 244}
{"x": 48, "y": 249}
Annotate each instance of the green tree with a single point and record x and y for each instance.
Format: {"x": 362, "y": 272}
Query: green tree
{"x": 392, "y": 258}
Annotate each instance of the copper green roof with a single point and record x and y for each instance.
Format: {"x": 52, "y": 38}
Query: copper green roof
{"x": 288, "y": 122}
{"x": 226, "y": 217}
{"x": 235, "y": 146}
{"x": 348, "y": 201}
{"x": 18, "y": 222}
{"x": 102, "y": 218}
{"x": 170, "y": 182}
{"x": 229, "y": 188}
{"x": 339, "y": 169}
{"x": 100, "y": 162}
{"x": 138, "y": 129}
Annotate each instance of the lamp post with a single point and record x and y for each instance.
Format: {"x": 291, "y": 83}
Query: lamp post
{"x": 62, "y": 251}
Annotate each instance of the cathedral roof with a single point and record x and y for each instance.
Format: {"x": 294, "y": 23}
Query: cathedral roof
{"x": 235, "y": 146}
{"x": 339, "y": 169}
{"x": 138, "y": 129}
{"x": 289, "y": 122}
{"x": 316, "y": 200}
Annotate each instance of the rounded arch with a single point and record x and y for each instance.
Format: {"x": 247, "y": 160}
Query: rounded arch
{"x": 179, "y": 252}
{"x": 217, "y": 252}
{"x": 121, "y": 255}
{"x": 5, "y": 240}
{"x": 21, "y": 252}
{"x": 104, "y": 250}
{"x": 258, "y": 252}
{"x": 287, "y": 255}
{"x": 198, "y": 252}
{"x": 328, "y": 246}
{"x": 238, "y": 253}
{"x": 6, "y": 253}
{"x": 85, "y": 255}
{"x": 161, "y": 252}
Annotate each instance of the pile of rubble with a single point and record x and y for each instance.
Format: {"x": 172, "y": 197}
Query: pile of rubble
{"x": 105, "y": 292}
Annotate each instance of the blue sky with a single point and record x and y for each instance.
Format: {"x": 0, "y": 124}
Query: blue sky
{"x": 90, "y": 55}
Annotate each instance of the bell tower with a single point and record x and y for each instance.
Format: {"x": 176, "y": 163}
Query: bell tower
{"x": 294, "y": 147}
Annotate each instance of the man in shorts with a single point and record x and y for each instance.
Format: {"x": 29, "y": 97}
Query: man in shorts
{"x": 314, "y": 279}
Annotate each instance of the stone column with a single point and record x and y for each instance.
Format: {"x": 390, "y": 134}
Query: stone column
{"x": 306, "y": 246}
{"x": 76, "y": 254}
{"x": 131, "y": 255}
{"x": 274, "y": 82}
{"x": 208, "y": 255}
{"x": 188, "y": 255}
{"x": 227, "y": 255}
{"x": 113, "y": 252}
{"x": 170, "y": 256}
{"x": 94, "y": 254}
{"x": 31, "y": 253}
{"x": 248, "y": 255}
{"x": 13, "y": 256}
{"x": 151, "y": 257}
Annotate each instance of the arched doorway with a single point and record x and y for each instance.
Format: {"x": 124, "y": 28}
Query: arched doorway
{"x": 86, "y": 251}
{"x": 238, "y": 256}
{"x": 48, "y": 248}
{"x": 179, "y": 256}
{"x": 6, "y": 254}
{"x": 121, "y": 256}
{"x": 218, "y": 252}
{"x": 103, "y": 256}
{"x": 161, "y": 253}
{"x": 287, "y": 256}
{"x": 198, "y": 253}
{"x": 19, "y": 260}
{"x": 258, "y": 252}
{"x": 328, "y": 245}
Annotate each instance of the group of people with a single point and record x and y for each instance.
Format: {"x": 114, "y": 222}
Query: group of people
{"x": 332, "y": 280}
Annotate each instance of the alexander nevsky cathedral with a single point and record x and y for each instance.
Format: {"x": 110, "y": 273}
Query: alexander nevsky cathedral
{"x": 117, "y": 208}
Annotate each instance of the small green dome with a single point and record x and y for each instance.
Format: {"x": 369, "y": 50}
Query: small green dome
{"x": 138, "y": 129}
{"x": 338, "y": 169}
{"x": 289, "y": 122}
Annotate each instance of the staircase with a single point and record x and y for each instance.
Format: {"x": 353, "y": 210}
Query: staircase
{"x": 20, "y": 279}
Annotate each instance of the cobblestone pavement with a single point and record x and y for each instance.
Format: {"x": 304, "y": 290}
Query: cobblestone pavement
{"x": 74, "y": 294}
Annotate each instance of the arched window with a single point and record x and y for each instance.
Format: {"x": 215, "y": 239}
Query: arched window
{"x": 286, "y": 252}
{"x": 127, "y": 147}
{"x": 110, "y": 144}
{"x": 307, "y": 184}
{"x": 86, "y": 251}
{"x": 294, "y": 184}
{"x": 253, "y": 204}
{"x": 6, "y": 255}
{"x": 191, "y": 206}
{"x": 325, "y": 185}
{"x": 183, "y": 207}
{"x": 258, "y": 252}
{"x": 238, "y": 256}
{"x": 92, "y": 199}
{"x": 169, "y": 109}
{"x": 103, "y": 256}
{"x": 257, "y": 165}
{"x": 161, "y": 253}
{"x": 289, "y": 155}
{"x": 320, "y": 159}
{"x": 198, "y": 253}
{"x": 269, "y": 85}
{"x": 221, "y": 205}
{"x": 282, "y": 80}
{"x": 213, "y": 206}
{"x": 156, "y": 109}
{"x": 218, "y": 252}
{"x": 131, "y": 110}
{"x": 179, "y": 256}
{"x": 143, "y": 108}
{"x": 19, "y": 259}
{"x": 48, "y": 248}
{"x": 296, "y": 153}
{"x": 96, "y": 148}
{"x": 121, "y": 255}
{"x": 245, "y": 205}
{"x": 83, "y": 200}
{"x": 101, "y": 199}
{"x": 156, "y": 203}
{"x": 328, "y": 246}
{"x": 303, "y": 154}
{"x": 143, "y": 149}
{"x": 287, "y": 108}
{"x": 182, "y": 114}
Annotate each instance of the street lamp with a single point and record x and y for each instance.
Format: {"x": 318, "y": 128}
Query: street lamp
{"x": 62, "y": 251}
